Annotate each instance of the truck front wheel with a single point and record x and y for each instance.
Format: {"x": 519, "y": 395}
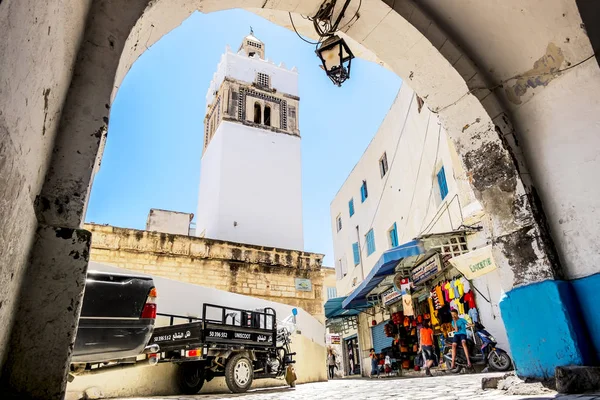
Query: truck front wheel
{"x": 190, "y": 377}
{"x": 239, "y": 373}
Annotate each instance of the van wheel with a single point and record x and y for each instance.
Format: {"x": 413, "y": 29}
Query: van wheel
{"x": 190, "y": 377}
{"x": 239, "y": 373}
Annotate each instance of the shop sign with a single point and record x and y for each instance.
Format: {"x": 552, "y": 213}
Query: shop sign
{"x": 401, "y": 283}
{"x": 303, "y": 285}
{"x": 334, "y": 339}
{"x": 391, "y": 296}
{"x": 426, "y": 269}
{"x": 475, "y": 263}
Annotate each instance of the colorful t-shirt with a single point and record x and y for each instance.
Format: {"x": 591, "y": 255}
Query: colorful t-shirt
{"x": 469, "y": 299}
{"x": 466, "y": 284}
{"x": 474, "y": 314}
{"x": 449, "y": 291}
{"x": 455, "y": 289}
{"x": 438, "y": 291}
{"x": 432, "y": 312}
{"x": 459, "y": 285}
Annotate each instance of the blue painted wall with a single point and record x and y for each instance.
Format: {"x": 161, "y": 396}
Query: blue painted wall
{"x": 587, "y": 292}
{"x": 545, "y": 328}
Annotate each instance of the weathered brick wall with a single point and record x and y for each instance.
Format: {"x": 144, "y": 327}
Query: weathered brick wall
{"x": 263, "y": 272}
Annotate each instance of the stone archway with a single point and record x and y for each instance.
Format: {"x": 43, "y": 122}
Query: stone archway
{"x": 421, "y": 52}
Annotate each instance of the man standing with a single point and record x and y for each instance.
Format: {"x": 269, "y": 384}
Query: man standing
{"x": 460, "y": 336}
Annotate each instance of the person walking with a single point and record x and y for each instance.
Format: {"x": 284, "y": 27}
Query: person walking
{"x": 426, "y": 347}
{"x": 331, "y": 363}
{"x": 460, "y": 337}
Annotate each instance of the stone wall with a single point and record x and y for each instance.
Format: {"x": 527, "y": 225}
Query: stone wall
{"x": 262, "y": 272}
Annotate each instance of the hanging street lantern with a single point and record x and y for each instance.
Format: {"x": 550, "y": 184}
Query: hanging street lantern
{"x": 336, "y": 58}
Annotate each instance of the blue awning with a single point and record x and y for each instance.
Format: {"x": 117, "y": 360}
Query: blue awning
{"x": 385, "y": 266}
{"x": 333, "y": 309}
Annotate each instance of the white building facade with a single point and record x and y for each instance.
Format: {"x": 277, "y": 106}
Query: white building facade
{"x": 408, "y": 185}
{"x": 250, "y": 178}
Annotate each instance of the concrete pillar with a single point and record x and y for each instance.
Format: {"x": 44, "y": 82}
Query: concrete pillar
{"x": 44, "y": 329}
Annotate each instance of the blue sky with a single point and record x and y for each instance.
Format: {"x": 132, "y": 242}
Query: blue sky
{"x": 152, "y": 155}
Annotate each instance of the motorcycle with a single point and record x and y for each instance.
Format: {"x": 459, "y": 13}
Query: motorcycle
{"x": 482, "y": 351}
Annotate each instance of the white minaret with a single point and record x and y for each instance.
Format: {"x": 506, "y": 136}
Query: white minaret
{"x": 250, "y": 177}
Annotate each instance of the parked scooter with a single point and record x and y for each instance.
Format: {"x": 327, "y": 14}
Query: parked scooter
{"x": 482, "y": 351}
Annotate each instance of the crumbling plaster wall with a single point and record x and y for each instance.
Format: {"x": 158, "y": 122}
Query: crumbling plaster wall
{"x": 39, "y": 45}
{"x": 530, "y": 53}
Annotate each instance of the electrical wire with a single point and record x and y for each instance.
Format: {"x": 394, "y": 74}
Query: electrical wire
{"x": 389, "y": 169}
{"x": 431, "y": 189}
{"x": 518, "y": 76}
{"x": 295, "y": 30}
{"x": 417, "y": 177}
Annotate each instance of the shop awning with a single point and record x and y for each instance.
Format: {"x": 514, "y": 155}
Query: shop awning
{"x": 333, "y": 309}
{"x": 385, "y": 266}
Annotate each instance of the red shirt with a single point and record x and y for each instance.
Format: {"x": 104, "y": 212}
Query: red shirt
{"x": 426, "y": 337}
{"x": 469, "y": 299}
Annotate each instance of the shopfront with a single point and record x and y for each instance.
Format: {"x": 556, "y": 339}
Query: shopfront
{"x": 343, "y": 324}
{"x": 416, "y": 283}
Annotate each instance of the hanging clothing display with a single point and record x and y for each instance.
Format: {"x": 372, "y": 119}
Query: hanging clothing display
{"x": 466, "y": 284}
{"x": 407, "y": 305}
{"x": 469, "y": 299}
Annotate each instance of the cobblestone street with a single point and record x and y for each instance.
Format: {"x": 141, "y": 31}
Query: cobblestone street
{"x": 451, "y": 387}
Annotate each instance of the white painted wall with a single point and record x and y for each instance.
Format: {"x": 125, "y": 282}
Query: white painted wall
{"x": 411, "y": 197}
{"x": 187, "y": 299}
{"x": 174, "y": 222}
{"x": 251, "y": 177}
{"x": 244, "y": 68}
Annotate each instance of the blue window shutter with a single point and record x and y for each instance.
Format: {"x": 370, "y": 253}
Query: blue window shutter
{"x": 380, "y": 341}
{"x": 370, "y": 242}
{"x": 441, "y": 177}
{"x": 351, "y": 207}
{"x": 363, "y": 192}
{"x": 356, "y": 255}
{"x": 394, "y": 236}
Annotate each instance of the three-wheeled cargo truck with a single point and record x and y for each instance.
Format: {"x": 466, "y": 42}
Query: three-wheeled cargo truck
{"x": 241, "y": 345}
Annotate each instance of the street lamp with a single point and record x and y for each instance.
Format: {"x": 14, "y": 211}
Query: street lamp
{"x": 336, "y": 58}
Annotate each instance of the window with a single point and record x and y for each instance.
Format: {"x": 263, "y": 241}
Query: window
{"x": 351, "y": 207}
{"x": 338, "y": 222}
{"x": 370, "y": 242}
{"x": 256, "y": 113}
{"x": 441, "y": 178}
{"x": 267, "y": 119}
{"x": 341, "y": 270}
{"x": 356, "y": 253}
{"x": 393, "y": 236}
{"x": 263, "y": 80}
{"x": 331, "y": 293}
{"x": 363, "y": 192}
{"x": 383, "y": 165}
